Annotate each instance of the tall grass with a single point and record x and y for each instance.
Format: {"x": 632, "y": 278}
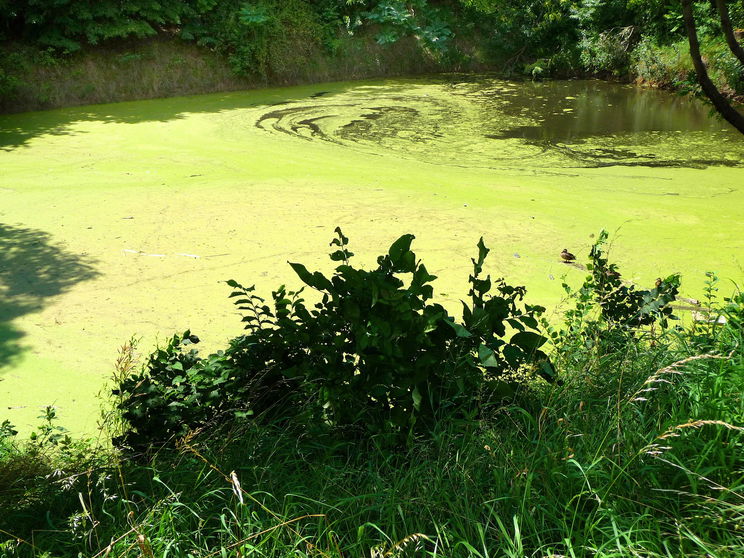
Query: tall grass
{"x": 639, "y": 453}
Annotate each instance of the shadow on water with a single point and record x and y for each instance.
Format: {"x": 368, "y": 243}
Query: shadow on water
{"x": 33, "y": 268}
{"x": 16, "y": 130}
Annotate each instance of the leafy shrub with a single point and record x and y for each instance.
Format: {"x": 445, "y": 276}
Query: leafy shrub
{"x": 668, "y": 66}
{"x": 398, "y": 19}
{"x": 67, "y": 25}
{"x": 671, "y": 66}
{"x": 39, "y": 471}
{"x": 609, "y": 313}
{"x": 725, "y": 68}
{"x": 608, "y": 51}
{"x": 258, "y": 36}
{"x": 12, "y": 66}
{"x": 8, "y": 84}
{"x": 373, "y": 353}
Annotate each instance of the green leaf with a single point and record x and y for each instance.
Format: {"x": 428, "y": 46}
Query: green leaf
{"x": 400, "y": 247}
{"x": 481, "y": 286}
{"x": 422, "y": 276}
{"x": 407, "y": 262}
{"x": 341, "y": 238}
{"x": 315, "y": 280}
{"x": 482, "y": 253}
{"x": 235, "y": 285}
{"x": 487, "y": 357}
{"x": 416, "y": 395}
{"x": 528, "y": 341}
{"x": 460, "y": 331}
{"x": 515, "y": 323}
{"x": 513, "y": 355}
{"x": 547, "y": 370}
{"x": 303, "y": 273}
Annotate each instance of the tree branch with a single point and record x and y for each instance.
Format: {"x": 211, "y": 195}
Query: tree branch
{"x": 719, "y": 101}
{"x": 728, "y": 30}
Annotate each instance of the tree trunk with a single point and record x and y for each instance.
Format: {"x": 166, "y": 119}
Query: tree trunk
{"x": 719, "y": 101}
{"x": 728, "y": 30}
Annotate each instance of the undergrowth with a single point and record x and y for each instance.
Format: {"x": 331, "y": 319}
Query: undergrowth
{"x": 669, "y": 66}
{"x": 74, "y": 52}
{"x": 637, "y": 453}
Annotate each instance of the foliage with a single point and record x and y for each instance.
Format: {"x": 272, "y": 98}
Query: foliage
{"x": 608, "y": 51}
{"x": 609, "y": 313}
{"x": 260, "y": 35}
{"x": 529, "y": 30}
{"x": 68, "y": 24}
{"x": 174, "y": 393}
{"x": 640, "y": 458}
{"x": 40, "y": 470}
{"x": 595, "y": 36}
{"x": 670, "y": 66}
{"x": 373, "y": 353}
{"x": 11, "y": 64}
{"x": 261, "y": 38}
{"x": 622, "y": 305}
{"x": 725, "y": 68}
{"x": 8, "y": 84}
{"x": 666, "y": 66}
{"x": 397, "y": 19}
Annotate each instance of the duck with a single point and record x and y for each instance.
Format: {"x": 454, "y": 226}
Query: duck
{"x": 567, "y": 256}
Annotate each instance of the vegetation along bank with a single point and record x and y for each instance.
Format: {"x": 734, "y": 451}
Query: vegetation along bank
{"x": 314, "y": 434}
{"x": 77, "y": 52}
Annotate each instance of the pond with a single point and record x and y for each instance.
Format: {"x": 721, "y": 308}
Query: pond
{"x": 126, "y": 219}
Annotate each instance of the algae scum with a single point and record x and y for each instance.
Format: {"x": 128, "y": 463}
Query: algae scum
{"x": 510, "y": 126}
{"x": 127, "y": 218}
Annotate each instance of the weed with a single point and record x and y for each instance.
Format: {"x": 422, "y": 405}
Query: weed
{"x": 637, "y": 453}
{"x": 373, "y": 354}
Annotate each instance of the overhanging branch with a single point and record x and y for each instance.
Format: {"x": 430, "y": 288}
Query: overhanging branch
{"x": 724, "y": 108}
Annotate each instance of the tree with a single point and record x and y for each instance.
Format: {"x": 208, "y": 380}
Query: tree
{"x": 728, "y": 30}
{"x": 724, "y": 108}
{"x": 67, "y": 25}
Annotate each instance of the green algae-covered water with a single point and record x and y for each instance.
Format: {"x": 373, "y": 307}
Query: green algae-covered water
{"x": 513, "y": 127}
{"x": 126, "y": 219}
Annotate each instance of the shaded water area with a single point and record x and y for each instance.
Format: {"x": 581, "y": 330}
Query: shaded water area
{"x": 499, "y": 124}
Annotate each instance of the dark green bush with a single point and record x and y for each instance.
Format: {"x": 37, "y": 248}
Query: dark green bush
{"x": 609, "y": 314}
{"x": 13, "y": 64}
{"x": 638, "y": 452}
{"x": 259, "y": 37}
{"x": 265, "y": 38}
{"x": 623, "y": 305}
{"x": 39, "y": 472}
{"x": 373, "y": 353}
{"x": 69, "y": 24}
{"x": 396, "y": 19}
